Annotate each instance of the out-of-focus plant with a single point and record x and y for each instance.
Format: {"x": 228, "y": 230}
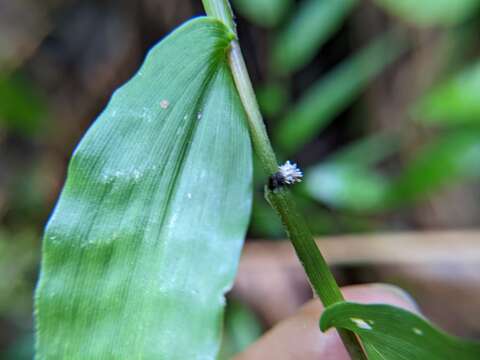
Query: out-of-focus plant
{"x": 454, "y": 102}
{"x": 431, "y": 12}
{"x": 361, "y": 184}
{"x": 264, "y": 12}
{"x": 309, "y": 27}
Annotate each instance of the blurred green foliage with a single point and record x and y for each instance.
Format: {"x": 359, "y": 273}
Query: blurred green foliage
{"x": 453, "y": 102}
{"x": 431, "y": 12}
{"x": 308, "y": 29}
{"x": 445, "y": 160}
{"x": 266, "y": 13}
{"x": 21, "y": 108}
{"x": 358, "y": 178}
{"x": 333, "y": 93}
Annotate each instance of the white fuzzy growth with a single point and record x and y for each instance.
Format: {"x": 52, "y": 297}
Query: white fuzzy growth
{"x": 291, "y": 173}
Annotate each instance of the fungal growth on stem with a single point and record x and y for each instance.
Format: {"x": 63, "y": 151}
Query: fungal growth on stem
{"x": 287, "y": 174}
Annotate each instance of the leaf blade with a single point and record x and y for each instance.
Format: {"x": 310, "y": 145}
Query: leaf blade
{"x": 310, "y": 27}
{"x": 392, "y": 333}
{"x": 431, "y": 12}
{"x": 448, "y": 158}
{"x": 148, "y": 230}
{"x": 455, "y": 102}
{"x": 267, "y": 13}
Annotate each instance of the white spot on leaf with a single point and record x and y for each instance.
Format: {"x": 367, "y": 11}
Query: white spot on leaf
{"x": 417, "y": 331}
{"x": 362, "y": 324}
{"x": 164, "y": 104}
{"x": 137, "y": 174}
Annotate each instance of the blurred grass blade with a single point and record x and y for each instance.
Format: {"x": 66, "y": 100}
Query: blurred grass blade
{"x": 431, "y": 12}
{"x": 146, "y": 236}
{"x": 449, "y": 158}
{"x": 346, "y": 180}
{"x": 272, "y": 98}
{"x": 368, "y": 151}
{"x": 346, "y": 186}
{"x": 391, "y": 333}
{"x": 310, "y": 27}
{"x": 333, "y": 93}
{"x": 266, "y": 13}
{"x": 456, "y": 102}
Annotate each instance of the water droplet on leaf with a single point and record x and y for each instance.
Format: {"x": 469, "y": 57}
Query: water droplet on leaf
{"x": 164, "y": 104}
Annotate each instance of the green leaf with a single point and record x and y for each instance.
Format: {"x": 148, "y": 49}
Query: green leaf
{"x": 333, "y": 93}
{"x": 310, "y": 27}
{"x": 391, "y": 333}
{"x": 368, "y": 151}
{"x": 266, "y": 13}
{"x": 347, "y": 180}
{"x": 456, "y": 102}
{"x": 146, "y": 236}
{"x": 447, "y": 159}
{"x": 347, "y": 186}
{"x": 431, "y": 12}
{"x": 272, "y": 98}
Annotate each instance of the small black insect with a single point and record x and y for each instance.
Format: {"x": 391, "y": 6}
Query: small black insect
{"x": 276, "y": 180}
{"x": 287, "y": 174}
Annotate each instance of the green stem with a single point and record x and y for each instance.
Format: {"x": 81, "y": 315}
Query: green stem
{"x": 320, "y": 277}
{"x": 316, "y": 268}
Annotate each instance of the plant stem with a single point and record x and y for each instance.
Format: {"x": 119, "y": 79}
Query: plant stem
{"x": 316, "y": 268}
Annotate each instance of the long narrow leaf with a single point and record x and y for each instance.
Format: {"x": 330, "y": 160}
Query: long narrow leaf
{"x": 455, "y": 102}
{"x": 347, "y": 186}
{"x": 266, "y": 13}
{"x": 447, "y": 159}
{"x": 368, "y": 150}
{"x": 348, "y": 179}
{"x": 310, "y": 27}
{"x": 333, "y": 93}
{"x": 146, "y": 236}
{"x": 431, "y": 12}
